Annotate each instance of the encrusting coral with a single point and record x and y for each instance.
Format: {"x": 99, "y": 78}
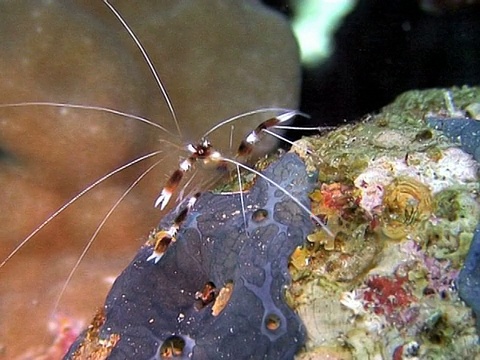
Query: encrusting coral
{"x": 402, "y": 201}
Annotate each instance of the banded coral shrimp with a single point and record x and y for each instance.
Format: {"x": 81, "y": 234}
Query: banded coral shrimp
{"x": 30, "y": 306}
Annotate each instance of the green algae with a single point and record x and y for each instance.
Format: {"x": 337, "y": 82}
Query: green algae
{"x": 457, "y": 213}
{"x": 344, "y": 153}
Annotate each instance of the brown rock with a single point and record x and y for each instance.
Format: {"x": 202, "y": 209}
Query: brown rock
{"x": 216, "y": 59}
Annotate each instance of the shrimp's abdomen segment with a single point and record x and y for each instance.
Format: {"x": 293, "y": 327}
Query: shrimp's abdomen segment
{"x": 149, "y": 303}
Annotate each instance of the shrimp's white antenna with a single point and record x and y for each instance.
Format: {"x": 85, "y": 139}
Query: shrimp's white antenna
{"x": 287, "y": 112}
{"x": 242, "y": 200}
{"x": 291, "y": 143}
{"x": 71, "y": 201}
{"x": 303, "y": 207}
{"x": 149, "y": 63}
{"x": 95, "y": 234}
{"x": 86, "y": 107}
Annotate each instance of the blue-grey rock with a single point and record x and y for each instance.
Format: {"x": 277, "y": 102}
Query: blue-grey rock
{"x": 468, "y": 282}
{"x": 460, "y": 130}
{"x": 149, "y": 303}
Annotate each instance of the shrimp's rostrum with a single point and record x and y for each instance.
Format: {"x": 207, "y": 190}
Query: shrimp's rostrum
{"x": 77, "y": 53}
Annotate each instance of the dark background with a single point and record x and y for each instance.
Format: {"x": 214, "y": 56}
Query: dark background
{"x": 384, "y": 48}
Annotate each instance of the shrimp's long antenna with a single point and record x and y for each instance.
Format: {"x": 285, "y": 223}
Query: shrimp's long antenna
{"x": 314, "y": 128}
{"x": 71, "y": 201}
{"x": 242, "y": 200}
{"x": 87, "y": 107}
{"x": 258, "y": 173}
{"x": 291, "y": 143}
{"x": 291, "y": 113}
{"x": 149, "y": 63}
{"x": 95, "y": 234}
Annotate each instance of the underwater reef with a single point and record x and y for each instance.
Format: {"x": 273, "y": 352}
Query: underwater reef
{"x": 152, "y": 311}
{"x": 401, "y": 197}
{"x": 397, "y": 281}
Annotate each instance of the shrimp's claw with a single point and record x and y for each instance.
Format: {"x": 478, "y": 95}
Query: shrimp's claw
{"x": 163, "y": 199}
{"x": 163, "y": 238}
{"x": 162, "y": 242}
{"x": 170, "y": 187}
{"x": 155, "y": 256}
